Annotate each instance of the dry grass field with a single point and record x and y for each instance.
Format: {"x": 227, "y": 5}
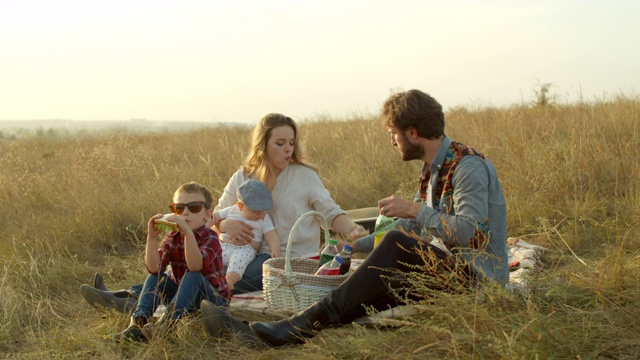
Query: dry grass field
{"x": 571, "y": 173}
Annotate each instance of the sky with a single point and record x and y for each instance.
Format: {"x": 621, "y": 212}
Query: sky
{"x": 236, "y": 61}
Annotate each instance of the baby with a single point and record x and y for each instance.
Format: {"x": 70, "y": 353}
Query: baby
{"x": 254, "y": 200}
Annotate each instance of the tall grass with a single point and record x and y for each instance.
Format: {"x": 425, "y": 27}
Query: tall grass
{"x": 571, "y": 175}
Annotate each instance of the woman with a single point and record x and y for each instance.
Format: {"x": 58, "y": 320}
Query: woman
{"x": 276, "y": 158}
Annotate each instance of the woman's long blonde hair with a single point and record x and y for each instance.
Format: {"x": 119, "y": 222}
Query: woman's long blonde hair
{"x": 256, "y": 163}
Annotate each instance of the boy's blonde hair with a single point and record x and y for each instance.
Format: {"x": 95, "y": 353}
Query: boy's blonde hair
{"x": 195, "y": 188}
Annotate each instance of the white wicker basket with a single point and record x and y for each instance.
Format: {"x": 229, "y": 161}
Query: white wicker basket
{"x": 289, "y": 284}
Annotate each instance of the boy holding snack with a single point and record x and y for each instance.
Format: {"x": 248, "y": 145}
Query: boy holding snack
{"x": 195, "y": 256}
{"x": 254, "y": 200}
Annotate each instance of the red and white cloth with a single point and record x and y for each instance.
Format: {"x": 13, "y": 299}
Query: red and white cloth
{"x": 523, "y": 258}
{"x": 523, "y": 254}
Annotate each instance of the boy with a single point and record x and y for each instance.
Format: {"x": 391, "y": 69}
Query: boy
{"x": 254, "y": 200}
{"x": 195, "y": 256}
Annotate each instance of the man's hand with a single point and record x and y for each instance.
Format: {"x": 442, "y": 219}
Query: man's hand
{"x": 394, "y": 206}
{"x": 353, "y": 244}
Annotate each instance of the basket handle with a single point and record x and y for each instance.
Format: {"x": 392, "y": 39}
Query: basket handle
{"x": 287, "y": 259}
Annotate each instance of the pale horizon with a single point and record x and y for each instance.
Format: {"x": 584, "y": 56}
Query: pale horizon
{"x": 218, "y": 61}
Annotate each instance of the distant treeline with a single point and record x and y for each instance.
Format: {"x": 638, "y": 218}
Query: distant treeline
{"x": 13, "y": 129}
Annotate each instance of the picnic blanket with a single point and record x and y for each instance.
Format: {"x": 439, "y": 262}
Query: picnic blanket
{"x": 523, "y": 258}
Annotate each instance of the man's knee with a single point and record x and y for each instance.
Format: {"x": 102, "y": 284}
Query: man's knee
{"x": 395, "y": 238}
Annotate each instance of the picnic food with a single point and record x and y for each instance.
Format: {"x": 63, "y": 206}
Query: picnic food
{"x": 383, "y": 224}
{"x": 166, "y": 225}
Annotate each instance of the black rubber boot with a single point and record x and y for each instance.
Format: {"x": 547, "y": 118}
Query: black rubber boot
{"x": 295, "y": 329}
{"x": 133, "y": 332}
{"x": 219, "y": 323}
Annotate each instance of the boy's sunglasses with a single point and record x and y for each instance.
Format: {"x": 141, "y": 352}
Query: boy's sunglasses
{"x": 194, "y": 207}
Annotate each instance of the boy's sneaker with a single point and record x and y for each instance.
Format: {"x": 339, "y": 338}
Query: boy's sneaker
{"x": 150, "y": 331}
{"x": 133, "y": 332}
{"x": 130, "y": 334}
{"x": 161, "y": 327}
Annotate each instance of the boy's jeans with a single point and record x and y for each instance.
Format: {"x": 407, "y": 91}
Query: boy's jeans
{"x": 184, "y": 298}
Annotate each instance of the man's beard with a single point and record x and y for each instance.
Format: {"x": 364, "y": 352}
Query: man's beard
{"x": 410, "y": 151}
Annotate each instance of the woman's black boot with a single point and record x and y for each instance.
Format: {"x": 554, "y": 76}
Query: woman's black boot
{"x": 120, "y": 300}
{"x": 295, "y": 329}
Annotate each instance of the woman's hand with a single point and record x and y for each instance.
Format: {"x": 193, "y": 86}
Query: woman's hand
{"x": 238, "y": 233}
{"x": 214, "y": 220}
{"x": 357, "y": 232}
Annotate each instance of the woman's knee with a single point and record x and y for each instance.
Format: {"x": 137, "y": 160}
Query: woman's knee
{"x": 252, "y": 278}
{"x": 254, "y": 269}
